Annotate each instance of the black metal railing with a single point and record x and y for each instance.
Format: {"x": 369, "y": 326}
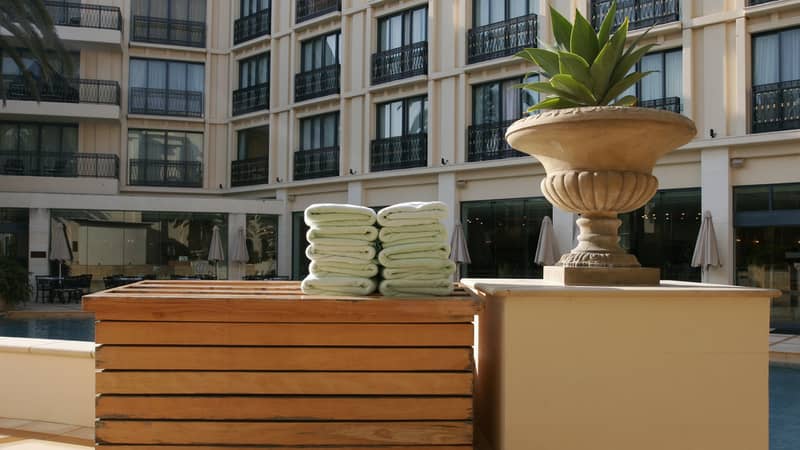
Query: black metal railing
{"x": 316, "y": 163}
{"x": 317, "y": 83}
{"x": 500, "y": 39}
{"x": 78, "y": 14}
{"x": 252, "y": 26}
{"x": 249, "y": 99}
{"x": 158, "y": 172}
{"x": 749, "y": 3}
{"x": 62, "y": 90}
{"x": 166, "y": 102}
{"x": 51, "y": 164}
{"x": 672, "y": 104}
{"x": 487, "y": 141}
{"x": 402, "y": 152}
{"x": 640, "y": 13}
{"x": 246, "y": 172}
{"x": 157, "y": 30}
{"x": 308, "y": 9}
{"x": 776, "y": 106}
{"x": 398, "y": 63}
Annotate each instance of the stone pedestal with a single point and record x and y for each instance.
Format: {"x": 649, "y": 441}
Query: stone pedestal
{"x": 675, "y": 366}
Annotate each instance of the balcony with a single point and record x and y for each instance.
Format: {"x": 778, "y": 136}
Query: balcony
{"x": 251, "y": 27}
{"x": 402, "y": 152}
{"x": 316, "y": 163}
{"x": 156, "y": 30}
{"x": 247, "y": 172}
{"x": 399, "y": 63}
{"x": 308, "y": 9}
{"x": 62, "y": 97}
{"x": 317, "y": 83}
{"x": 250, "y": 99}
{"x": 166, "y": 102}
{"x": 158, "y": 172}
{"x": 500, "y": 39}
{"x": 758, "y": 2}
{"x": 68, "y": 165}
{"x": 84, "y": 16}
{"x": 672, "y": 104}
{"x": 487, "y": 142}
{"x": 640, "y": 13}
{"x": 776, "y": 106}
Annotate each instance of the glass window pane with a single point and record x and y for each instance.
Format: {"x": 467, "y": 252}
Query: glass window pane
{"x": 316, "y": 133}
{"x": 136, "y": 144}
{"x": 416, "y": 116}
{"x": 196, "y": 81}
{"x": 305, "y": 134}
{"x": 786, "y": 196}
{"x": 674, "y": 73}
{"x": 69, "y": 140}
{"x": 790, "y": 55}
{"x": 308, "y": 57}
{"x": 330, "y": 131}
{"x": 317, "y": 53}
{"x": 159, "y": 8}
{"x": 194, "y": 147}
{"x": 197, "y": 10}
{"x": 652, "y": 85}
{"x": 177, "y": 76}
{"x": 176, "y": 143}
{"x": 488, "y": 98}
{"x": 51, "y": 139}
{"x": 751, "y": 198}
{"x": 331, "y": 50}
{"x": 419, "y": 25}
{"x": 529, "y": 98}
{"x": 8, "y": 137}
{"x": 498, "y": 11}
{"x": 156, "y": 145}
{"x": 263, "y": 68}
{"x": 517, "y": 8}
{"x": 157, "y": 75}
{"x": 481, "y": 12}
{"x": 766, "y": 63}
{"x": 138, "y": 74}
{"x": 28, "y": 137}
{"x": 180, "y": 9}
{"x": 511, "y": 103}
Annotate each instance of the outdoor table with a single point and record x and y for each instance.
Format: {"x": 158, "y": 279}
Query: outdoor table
{"x": 257, "y": 363}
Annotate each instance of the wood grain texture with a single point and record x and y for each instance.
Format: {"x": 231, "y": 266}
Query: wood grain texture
{"x": 285, "y": 334}
{"x": 346, "y": 359}
{"x": 283, "y": 408}
{"x": 285, "y": 383}
{"x": 249, "y": 447}
{"x": 284, "y": 433}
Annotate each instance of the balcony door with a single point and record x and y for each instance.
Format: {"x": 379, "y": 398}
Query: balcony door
{"x": 495, "y": 105}
{"x": 403, "y": 29}
{"x": 173, "y": 88}
{"x": 254, "y": 71}
{"x": 663, "y": 88}
{"x": 486, "y": 12}
{"x": 776, "y": 81}
{"x": 250, "y": 7}
{"x": 38, "y": 149}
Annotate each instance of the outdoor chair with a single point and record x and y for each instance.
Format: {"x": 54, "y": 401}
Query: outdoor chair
{"x": 70, "y": 290}
{"x": 44, "y": 288}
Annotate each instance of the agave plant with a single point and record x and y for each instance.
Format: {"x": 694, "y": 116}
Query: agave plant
{"x": 586, "y": 68}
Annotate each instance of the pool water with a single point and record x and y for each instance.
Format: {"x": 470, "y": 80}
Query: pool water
{"x": 67, "y": 329}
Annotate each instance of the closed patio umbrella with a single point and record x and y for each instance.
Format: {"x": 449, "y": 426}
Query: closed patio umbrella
{"x": 59, "y": 248}
{"x": 706, "y": 253}
{"x": 546, "y": 248}
{"x": 215, "y": 252}
{"x": 239, "y": 251}
{"x": 459, "y": 253}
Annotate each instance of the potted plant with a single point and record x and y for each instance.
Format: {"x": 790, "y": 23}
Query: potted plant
{"x": 15, "y": 286}
{"x": 597, "y": 148}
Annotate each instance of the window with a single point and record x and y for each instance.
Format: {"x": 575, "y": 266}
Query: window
{"x": 262, "y": 244}
{"x": 9, "y": 66}
{"x": 185, "y": 10}
{"x": 319, "y": 131}
{"x": 403, "y": 117}
{"x": 249, "y": 7}
{"x": 406, "y": 28}
{"x": 776, "y": 81}
{"x": 663, "y": 88}
{"x": 320, "y": 52}
{"x": 166, "y": 87}
{"x": 254, "y": 71}
{"x": 38, "y": 138}
{"x": 168, "y": 158}
{"x": 253, "y": 143}
{"x": 501, "y": 101}
{"x": 170, "y": 22}
{"x": 492, "y": 11}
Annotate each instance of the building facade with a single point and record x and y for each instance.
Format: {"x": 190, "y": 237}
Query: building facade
{"x": 186, "y": 114}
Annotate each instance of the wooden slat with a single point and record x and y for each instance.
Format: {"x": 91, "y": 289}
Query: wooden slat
{"x": 284, "y": 334}
{"x": 285, "y": 383}
{"x": 284, "y": 433}
{"x": 346, "y": 359}
{"x": 283, "y": 408}
{"x": 247, "y": 447}
{"x": 215, "y": 308}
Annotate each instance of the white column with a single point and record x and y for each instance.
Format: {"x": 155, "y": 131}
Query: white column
{"x": 448, "y": 195}
{"x": 284, "y": 236}
{"x": 39, "y": 240}
{"x": 716, "y": 197}
{"x": 355, "y": 193}
{"x": 564, "y": 229}
{"x": 236, "y": 222}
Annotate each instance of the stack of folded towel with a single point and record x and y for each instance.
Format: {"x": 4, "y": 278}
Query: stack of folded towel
{"x": 414, "y": 251}
{"x": 342, "y": 250}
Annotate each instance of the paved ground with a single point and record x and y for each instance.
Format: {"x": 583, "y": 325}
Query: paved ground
{"x": 784, "y": 348}
{"x": 19, "y": 434}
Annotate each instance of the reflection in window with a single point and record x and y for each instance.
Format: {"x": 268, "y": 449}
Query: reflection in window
{"x": 320, "y": 52}
{"x": 502, "y": 236}
{"x": 254, "y": 71}
{"x": 501, "y": 101}
{"x": 262, "y": 243}
{"x": 406, "y": 28}
{"x": 403, "y": 117}
{"x": 320, "y": 131}
{"x": 493, "y": 11}
{"x": 299, "y": 243}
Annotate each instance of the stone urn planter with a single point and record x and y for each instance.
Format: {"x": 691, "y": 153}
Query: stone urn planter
{"x": 599, "y": 163}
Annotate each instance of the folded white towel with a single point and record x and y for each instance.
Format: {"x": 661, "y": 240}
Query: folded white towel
{"x": 363, "y": 252}
{"x": 415, "y": 288}
{"x": 314, "y": 285}
{"x": 334, "y": 242}
{"x": 324, "y": 269}
{"x": 339, "y": 215}
{"x": 390, "y": 236}
{"x": 412, "y": 213}
{"x": 364, "y": 233}
{"x": 413, "y": 273}
{"x": 412, "y": 255}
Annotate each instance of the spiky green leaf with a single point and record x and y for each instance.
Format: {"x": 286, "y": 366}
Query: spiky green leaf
{"x": 543, "y": 87}
{"x": 615, "y": 90}
{"x": 552, "y": 103}
{"x": 628, "y": 100}
{"x": 628, "y": 61}
{"x": 604, "y": 66}
{"x": 608, "y": 22}
{"x": 572, "y": 87}
{"x": 546, "y": 60}
{"x": 572, "y": 64}
{"x": 562, "y": 29}
{"x": 583, "y": 40}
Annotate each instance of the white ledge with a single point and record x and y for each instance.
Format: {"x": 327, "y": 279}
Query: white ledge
{"x": 53, "y": 347}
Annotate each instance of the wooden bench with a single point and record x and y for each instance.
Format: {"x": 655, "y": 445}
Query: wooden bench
{"x": 257, "y": 363}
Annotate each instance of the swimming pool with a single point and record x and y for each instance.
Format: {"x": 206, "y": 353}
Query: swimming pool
{"x": 78, "y": 329}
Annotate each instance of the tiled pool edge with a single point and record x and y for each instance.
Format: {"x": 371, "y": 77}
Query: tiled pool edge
{"x": 47, "y": 431}
{"x": 784, "y": 349}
